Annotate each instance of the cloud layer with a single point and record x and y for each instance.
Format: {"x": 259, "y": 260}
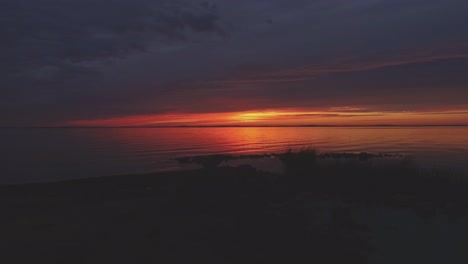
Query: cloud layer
{"x": 64, "y": 60}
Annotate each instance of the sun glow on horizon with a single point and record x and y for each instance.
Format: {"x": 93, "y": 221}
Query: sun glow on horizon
{"x": 332, "y": 116}
{"x": 255, "y": 116}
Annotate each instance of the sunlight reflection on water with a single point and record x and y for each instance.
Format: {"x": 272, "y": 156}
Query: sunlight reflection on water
{"x": 54, "y": 154}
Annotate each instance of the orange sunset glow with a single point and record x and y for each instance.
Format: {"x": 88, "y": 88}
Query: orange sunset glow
{"x": 346, "y": 117}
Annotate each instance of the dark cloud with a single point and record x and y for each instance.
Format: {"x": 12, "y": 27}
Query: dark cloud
{"x": 50, "y": 48}
{"x": 41, "y": 35}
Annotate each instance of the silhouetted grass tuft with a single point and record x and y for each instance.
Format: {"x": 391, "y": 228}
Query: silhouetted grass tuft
{"x": 298, "y": 161}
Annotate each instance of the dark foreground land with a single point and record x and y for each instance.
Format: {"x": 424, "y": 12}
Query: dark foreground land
{"x": 343, "y": 211}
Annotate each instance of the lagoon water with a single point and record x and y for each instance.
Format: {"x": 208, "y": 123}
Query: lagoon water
{"x": 50, "y": 154}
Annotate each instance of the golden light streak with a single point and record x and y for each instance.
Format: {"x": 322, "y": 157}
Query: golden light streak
{"x": 255, "y": 116}
{"x": 347, "y": 116}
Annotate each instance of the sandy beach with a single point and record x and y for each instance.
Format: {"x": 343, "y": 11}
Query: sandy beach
{"x": 234, "y": 215}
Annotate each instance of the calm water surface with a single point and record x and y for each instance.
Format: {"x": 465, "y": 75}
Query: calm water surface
{"x": 56, "y": 154}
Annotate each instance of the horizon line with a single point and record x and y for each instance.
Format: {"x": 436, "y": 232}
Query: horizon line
{"x": 241, "y": 126}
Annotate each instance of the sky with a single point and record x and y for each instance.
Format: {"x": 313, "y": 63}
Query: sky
{"x": 243, "y": 62}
